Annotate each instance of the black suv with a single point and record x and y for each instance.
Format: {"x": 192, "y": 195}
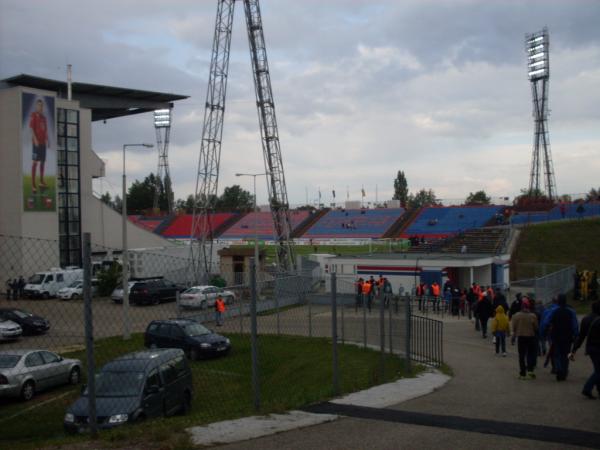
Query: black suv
{"x": 193, "y": 338}
{"x": 153, "y": 292}
{"x": 135, "y": 387}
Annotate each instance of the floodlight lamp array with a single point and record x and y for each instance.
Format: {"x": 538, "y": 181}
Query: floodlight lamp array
{"x": 162, "y": 118}
{"x": 537, "y": 58}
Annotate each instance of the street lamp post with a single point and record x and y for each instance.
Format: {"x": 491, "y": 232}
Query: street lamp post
{"x": 125, "y": 272}
{"x": 256, "y": 259}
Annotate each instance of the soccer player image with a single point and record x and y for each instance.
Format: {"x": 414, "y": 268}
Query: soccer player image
{"x": 39, "y": 137}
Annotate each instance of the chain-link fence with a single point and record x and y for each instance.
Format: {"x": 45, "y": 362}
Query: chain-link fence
{"x": 543, "y": 281}
{"x": 259, "y": 340}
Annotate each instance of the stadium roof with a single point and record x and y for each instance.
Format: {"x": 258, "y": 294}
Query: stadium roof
{"x": 106, "y": 102}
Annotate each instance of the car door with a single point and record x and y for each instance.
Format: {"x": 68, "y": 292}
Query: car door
{"x": 57, "y": 372}
{"x": 211, "y": 296}
{"x": 171, "y": 399}
{"x": 163, "y": 335}
{"x": 153, "y": 393}
{"x": 170, "y": 289}
{"x": 36, "y": 368}
{"x": 177, "y": 337}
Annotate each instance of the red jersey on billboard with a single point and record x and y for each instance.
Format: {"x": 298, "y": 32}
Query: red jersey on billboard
{"x": 38, "y": 125}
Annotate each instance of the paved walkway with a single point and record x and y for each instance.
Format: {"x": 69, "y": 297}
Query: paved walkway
{"x": 484, "y": 387}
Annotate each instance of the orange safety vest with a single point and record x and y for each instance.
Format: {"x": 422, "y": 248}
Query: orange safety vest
{"x": 366, "y": 287}
{"x": 435, "y": 289}
{"x": 220, "y": 305}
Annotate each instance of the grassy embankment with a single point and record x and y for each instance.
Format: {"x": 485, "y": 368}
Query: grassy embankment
{"x": 294, "y": 371}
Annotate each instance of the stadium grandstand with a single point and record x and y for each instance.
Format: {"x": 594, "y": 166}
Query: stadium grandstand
{"x": 147, "y": 222}
{"x": 439, "y": 222}
{"x": 354, "y": 224}
{"x": 559, "y": 212}
{"x": 261, "y": 224}
{"x": 181, "y": 226}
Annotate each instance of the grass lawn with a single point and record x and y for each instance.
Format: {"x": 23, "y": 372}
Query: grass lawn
{"x": 566, "y": 242}
{"x": 44, "y": 199}
{"x": 294, "y": 371}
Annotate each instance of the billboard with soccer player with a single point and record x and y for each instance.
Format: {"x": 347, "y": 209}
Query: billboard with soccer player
{"x": 38, "y": 136}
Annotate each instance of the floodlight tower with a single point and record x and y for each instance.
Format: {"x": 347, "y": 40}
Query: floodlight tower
{"x": 538, "y": 71}
{"x": 162, "y": 125}
{"x": 210, "y": 148}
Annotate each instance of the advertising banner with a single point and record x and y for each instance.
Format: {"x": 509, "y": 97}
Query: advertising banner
{"x": 38, "y": 145}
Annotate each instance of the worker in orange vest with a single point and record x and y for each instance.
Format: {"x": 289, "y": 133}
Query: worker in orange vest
{"x": 219, "y": 310}
{"x": 366, "y": 291}
{"x": 435, "y": 292}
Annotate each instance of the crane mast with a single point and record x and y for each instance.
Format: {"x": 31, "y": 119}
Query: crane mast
{"x": 201, "y": 236}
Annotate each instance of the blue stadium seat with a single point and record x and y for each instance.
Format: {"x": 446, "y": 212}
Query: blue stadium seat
{"x": 448, "y": 220}
{"x": 354, "y": 223}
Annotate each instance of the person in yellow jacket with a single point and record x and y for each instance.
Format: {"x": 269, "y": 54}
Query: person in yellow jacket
{"x": 500, "y": 329}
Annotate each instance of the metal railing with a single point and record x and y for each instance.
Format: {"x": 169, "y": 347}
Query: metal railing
{"x": 426, "y": 340}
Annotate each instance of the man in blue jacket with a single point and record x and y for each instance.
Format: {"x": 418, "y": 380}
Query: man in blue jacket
{"x": 561, "y": 324}
{"x": 590, "y": 330}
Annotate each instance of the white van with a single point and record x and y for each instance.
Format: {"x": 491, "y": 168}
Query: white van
{"x": 47, "y": 284}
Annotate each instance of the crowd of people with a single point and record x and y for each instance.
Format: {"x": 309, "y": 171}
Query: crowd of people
{"x": 543, "y": 335}
{"x": 15, "y": 288}
{"x": 367, "y": 290}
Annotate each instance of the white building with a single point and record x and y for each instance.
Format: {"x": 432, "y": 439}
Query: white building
{"x": 47, "y": 165}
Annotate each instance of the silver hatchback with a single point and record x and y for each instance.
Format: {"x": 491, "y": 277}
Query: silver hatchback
{"x": 25, "y": 372}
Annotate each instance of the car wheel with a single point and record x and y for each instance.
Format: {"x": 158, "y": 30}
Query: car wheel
{"x": 28, "y": 390}
{"x": 45, "y": 295}
{"x": 194, "y": 354}
{"x": 203, "y": 304}
{"x": 75, "y": 376}
{"x": 187, "y": 403}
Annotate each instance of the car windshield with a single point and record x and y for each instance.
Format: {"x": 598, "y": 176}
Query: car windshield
{"x": 118, "y": 384}
{"x": 9, "y": 361}
{"x": 193, "y": 291}
{"x": 36, "y": 279}
{"x": 75, "y": 284}
{"x": 21, "y": 314}
{"x": 195, "y": 329}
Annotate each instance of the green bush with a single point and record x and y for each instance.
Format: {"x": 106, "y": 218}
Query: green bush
{"x": 108, "y": 279}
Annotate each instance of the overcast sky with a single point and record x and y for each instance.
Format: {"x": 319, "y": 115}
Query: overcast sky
{"x": 362, "y": 88}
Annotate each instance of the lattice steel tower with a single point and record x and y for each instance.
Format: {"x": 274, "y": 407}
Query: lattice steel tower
{"x": 538, "y": 71}
{"x": 210, "y": 149}
{"x": 162, "y": 125}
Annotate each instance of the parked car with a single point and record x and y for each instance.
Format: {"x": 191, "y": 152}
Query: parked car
{"x": 193, "y": 338}
{"x": 25, "y": 372}
{"x": 135, "y": 387}
{"x": 204, "y": 296}
{"x": 47, "y": 284}
{"x": 117, "y": 293}
{"x": 75, "y": 290}
{"x": 153, "y": 292}
{"x": 9, "y": 330}
{"x": 29, "y": 323}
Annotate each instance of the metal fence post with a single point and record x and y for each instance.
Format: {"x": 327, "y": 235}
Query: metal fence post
{"x": 89, "y": 332}
{"x": 253, "y": 338}
{"x": 408, "y": 332}
{"x": 177, "y": 302}
{"x": 336, "y": 386}
{"x": 382, "y": 298}
{"x": 364, "y": 305}
{"x": 277, "y": 289}
{"x": 309, "y": 314}
{"x": 343, "y": 321}
{"x": 390, "y": 322}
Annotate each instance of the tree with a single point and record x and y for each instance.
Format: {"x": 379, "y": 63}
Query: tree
{"x": 477, "y": 198}
{"x": 401, "y": 189}
{"x": 118, "y": 204}
{"x": 422, "y": 198}
{"x": 593, "y": 195}
{"x": 234, "y": 198}
{"x": 140, "y": 196}
{"x": 106, "y": 199}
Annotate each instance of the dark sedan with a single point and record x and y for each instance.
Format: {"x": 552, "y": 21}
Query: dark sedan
{"x": 153, "y": 292}
{"x": 30, "y": 323}
{"x": 193, "y": 338}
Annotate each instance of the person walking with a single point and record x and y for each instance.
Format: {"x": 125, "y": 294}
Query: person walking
{"x": 21, "y": 285}
{"x": 359, "y": 294}
{"x": 8, "y": 285}
{"x": 435, "y": 292}
{"x": 366, "y": 292}
{"x": 387, "y": 292}
{"x": 515, "y": 307}
{"x": 525, "y": 325}
{"x": 590, "y": 332}
{"x": 471, "y": 301}
{"x": 561, "y": 324}
{"x": 500, "y": 329}
{"x": 219, "y": 310}
{"x": 485, "y": 310}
